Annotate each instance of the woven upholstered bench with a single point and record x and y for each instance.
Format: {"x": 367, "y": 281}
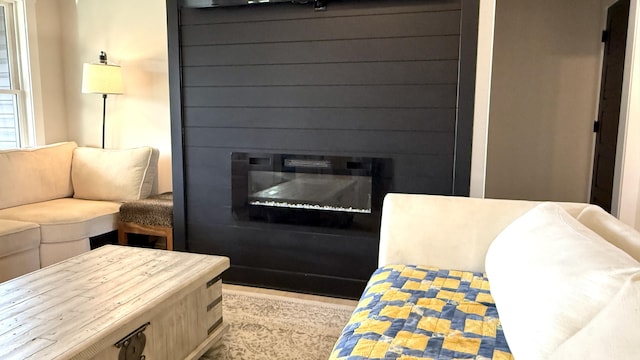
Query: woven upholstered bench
{"x": 151, "y": 216}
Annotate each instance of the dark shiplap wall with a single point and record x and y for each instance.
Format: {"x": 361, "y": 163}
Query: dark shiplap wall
{"x": 364, "y": 78}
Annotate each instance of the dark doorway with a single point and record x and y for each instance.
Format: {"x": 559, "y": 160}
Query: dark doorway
{"x": 606, "y": 128}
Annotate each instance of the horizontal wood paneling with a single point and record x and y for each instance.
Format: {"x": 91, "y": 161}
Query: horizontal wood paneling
{"x": 368, "y": 50}
{"x": 363, "y": 73}
{"x": 247, "y": 246}
{"x": 309, "y": 283}
{"x": 392, "y": 96}
{"x": 216, "y": 162}
{"x": 279, "y": 12}
{"x": 364, "y": 78}
{"x": 322, "y": 29}
{"x": 322, "y": 140}
{"x": 417, "y": 119}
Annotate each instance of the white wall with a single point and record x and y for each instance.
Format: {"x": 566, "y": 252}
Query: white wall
{"x": 134, "y": 35}
{"x": 526, "y": 153}
{"x": 52, "y": 85}
{"x": 544, "y": 95}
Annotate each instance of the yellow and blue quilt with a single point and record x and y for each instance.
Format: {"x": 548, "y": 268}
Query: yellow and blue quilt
{"x": 416, "y": 312}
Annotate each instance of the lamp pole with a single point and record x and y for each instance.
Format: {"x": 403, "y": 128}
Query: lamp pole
{"x": 104, "y": 113}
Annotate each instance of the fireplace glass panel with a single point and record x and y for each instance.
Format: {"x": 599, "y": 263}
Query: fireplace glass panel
{"x": 347, "y": 193}
{"x": 317, "y": 190}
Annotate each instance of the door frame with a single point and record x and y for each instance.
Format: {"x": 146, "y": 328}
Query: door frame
{"x": 625, "y": 199}
{"x": 626, "y": 182}
{"x": 615, "y": 191}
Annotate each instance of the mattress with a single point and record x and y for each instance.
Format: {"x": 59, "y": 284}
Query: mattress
{"x": 417, "y": 312}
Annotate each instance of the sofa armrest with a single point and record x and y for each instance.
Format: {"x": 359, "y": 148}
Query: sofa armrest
{"x": 446, "y": 231}
{"x": 114, "y": 174}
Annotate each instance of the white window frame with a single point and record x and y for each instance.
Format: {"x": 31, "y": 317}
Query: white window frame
{"x": 20, "y": 66}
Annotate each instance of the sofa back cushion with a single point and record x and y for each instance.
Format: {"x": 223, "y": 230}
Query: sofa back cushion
{"x": 446, "y": 231}
{"x": 550, "y": 276}
{"x": 114, "y": 175}
{"x": 613, "y": 230}
{"x": 613, "y": 333}
{"x": 36, "y": 174}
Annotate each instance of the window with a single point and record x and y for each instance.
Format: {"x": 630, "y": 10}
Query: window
{"x": 13, "y": 120}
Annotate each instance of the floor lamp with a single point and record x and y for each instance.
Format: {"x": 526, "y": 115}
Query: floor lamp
{"x": 104, "y": 79}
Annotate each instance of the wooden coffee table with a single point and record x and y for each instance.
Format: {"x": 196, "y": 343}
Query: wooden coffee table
{"x": 115, "y": 301}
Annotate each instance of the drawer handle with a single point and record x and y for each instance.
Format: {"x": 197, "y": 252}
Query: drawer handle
{"x": 214, "y": 326}
{"x": 213, "y": 281}
{"x": 214, "y": 303}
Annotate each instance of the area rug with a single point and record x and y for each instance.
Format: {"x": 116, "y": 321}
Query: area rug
{"x": 270, "y": 327}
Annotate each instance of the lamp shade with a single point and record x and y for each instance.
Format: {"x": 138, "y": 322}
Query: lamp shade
{"x": 101, "y": 79}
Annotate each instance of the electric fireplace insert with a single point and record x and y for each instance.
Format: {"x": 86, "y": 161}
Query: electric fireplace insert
{"x": 317, "y": 190}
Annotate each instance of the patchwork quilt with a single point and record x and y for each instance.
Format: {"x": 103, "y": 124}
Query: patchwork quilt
{"x": 415, "y": 312}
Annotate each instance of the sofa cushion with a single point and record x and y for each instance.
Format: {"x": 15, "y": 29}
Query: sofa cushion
{"x": 613, "y": 333}
{"x": 18, "y": 236}
{"x": 115, "y": 175}
{"x": 615, "y": 231}
{"x": 550, "y": 275}
{"x": 67, "y": 219}
{"x": 33, "y": 175}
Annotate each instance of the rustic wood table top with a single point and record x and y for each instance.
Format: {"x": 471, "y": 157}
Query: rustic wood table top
{"x": 77, "y": 307}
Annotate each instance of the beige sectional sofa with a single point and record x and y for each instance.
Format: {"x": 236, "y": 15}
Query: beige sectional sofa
{"x": 563, "y": 277}
{"x": 54, "y": 198}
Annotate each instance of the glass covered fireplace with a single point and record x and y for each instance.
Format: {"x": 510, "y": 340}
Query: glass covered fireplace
{"x": 331, "y": 191}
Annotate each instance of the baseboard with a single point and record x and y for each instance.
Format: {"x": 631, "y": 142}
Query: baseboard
{"x": 297, "y": 282}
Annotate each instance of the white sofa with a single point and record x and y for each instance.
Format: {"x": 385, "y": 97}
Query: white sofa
{"x": 53, "y": 198}
{"x": 565, "y": 277}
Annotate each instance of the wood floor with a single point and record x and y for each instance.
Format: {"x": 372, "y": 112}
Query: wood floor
{"x": 289, "y": 294}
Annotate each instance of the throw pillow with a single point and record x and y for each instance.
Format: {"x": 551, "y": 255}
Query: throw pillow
{"x": 114, "y": 175}
{"x": 550, "y": 275}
